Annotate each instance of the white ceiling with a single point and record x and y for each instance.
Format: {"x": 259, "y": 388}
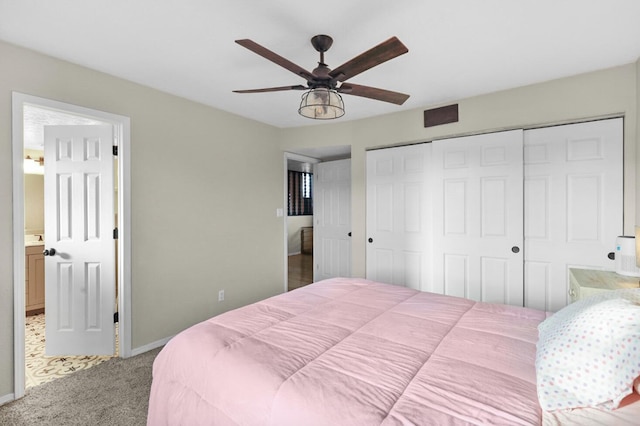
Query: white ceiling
{"x": 34, "y": 120}
{"x": 457, "y": 48}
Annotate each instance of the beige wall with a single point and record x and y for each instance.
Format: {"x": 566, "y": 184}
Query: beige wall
{"x": 192, "y": 236}
{"x": 34, "y": 204}
{"x": 637, "y": 173}
{"x": 192, "y": 171}
{"x": 597, "y": 94}
{"x": 294, "y": 223}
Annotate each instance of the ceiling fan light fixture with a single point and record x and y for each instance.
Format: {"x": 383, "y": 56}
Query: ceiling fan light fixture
{"x": 321, "y": 103}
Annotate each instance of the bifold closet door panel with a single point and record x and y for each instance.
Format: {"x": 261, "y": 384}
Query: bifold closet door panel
{"x": 478, "y": 217}
{"x": 398, "y": 216}
{"x": 573, "y": 205}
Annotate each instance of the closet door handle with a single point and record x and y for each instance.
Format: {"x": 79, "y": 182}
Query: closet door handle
{"x": 349, "y": 234}
{"x": 370, "y": 240}
{"x": 515, "y": 249}
{"x": 611, "y": 256}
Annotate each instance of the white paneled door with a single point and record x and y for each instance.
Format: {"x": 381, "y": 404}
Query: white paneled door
{"x": 574, "y": 205}
{"x": 332, "y": 219}
{"x": 398, "y": 211}
{"x": 499, "y": 217}
{"x": 80, "y": 246}
{"x": 478, "y": 217}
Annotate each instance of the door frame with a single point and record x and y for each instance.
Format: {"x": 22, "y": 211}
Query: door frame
{"x": 122, "y": 132}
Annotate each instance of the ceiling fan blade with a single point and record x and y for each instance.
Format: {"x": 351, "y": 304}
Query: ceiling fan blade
{"x": 373, "y": 93}
{"x": 375, "y": 56}
{"x": 272, "y": 89}
{"x": 275, "y": 58}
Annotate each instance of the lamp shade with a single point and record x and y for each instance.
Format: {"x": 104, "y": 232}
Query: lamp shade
{"x": 321, "y": 104}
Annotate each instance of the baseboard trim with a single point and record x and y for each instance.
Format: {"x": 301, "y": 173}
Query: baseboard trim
{"x": 7, "y": 398}
{"x": 151, "y": 346}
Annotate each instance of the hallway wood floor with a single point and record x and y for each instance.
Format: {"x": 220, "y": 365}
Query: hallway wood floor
{"x": 300, "y": 270}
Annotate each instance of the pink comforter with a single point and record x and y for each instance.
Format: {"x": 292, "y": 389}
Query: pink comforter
{"x": 352, "y": 352}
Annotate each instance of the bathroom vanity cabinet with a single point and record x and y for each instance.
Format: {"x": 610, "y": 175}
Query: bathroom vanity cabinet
{"x": 34, "y": 279}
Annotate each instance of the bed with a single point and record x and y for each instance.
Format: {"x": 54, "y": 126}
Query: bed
{"x": 356, "y": 352}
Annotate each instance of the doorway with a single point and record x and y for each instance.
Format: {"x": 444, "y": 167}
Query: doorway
{"x": 302, "y": 257}
{"x": 299, "y": 220}
{"x": 30, "y": 115}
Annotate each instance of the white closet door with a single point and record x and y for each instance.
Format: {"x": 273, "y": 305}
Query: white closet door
{"x": 574, "y": 205}
{"x": 478, "y": 217}
{"x": 332, "y": 219}
{"x": 398, "y": 217}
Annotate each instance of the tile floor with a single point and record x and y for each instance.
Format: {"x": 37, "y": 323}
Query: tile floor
{"x": 42, "y": 369}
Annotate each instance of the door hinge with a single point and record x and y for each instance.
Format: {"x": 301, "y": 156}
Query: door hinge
{"x": 115, "y": 317}
{"x": 115, "y": 150}
{"x": 115, "y": 233}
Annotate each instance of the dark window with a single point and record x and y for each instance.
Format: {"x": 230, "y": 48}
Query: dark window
{"x": 300, "y": 193}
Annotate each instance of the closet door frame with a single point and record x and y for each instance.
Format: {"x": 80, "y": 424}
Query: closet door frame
{"x": 546, "y": 296}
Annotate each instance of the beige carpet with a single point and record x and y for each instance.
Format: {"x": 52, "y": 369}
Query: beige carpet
{"x": 114, "y": 393}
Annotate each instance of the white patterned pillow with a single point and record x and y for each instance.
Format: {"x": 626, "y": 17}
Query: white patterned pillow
{"x": 572, "y": 309}
{"x": 590, "y": 355}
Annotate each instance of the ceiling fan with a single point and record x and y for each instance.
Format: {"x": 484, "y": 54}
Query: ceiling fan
{"x": 324, "y": 85}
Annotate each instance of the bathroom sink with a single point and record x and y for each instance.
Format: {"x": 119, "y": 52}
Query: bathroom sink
{"x": 33, "y": 240}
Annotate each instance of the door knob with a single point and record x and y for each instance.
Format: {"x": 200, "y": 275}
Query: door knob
{"x": 370, "y": 240}
{"x": 349, "y": 234}
{"x": 50, "y": 252}
{"x": 611, "y": 256}
{"x": 515, "y": 249}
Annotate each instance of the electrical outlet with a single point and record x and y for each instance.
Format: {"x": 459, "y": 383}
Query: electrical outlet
{"x": 220, "y": 295}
